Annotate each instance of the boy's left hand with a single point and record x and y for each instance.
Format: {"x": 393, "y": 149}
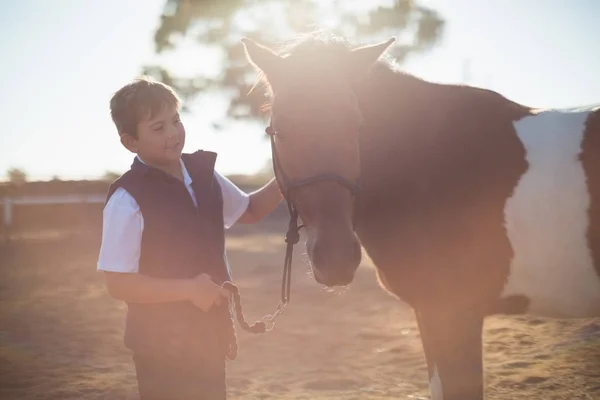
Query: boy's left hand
{"x": 204, "y": 293}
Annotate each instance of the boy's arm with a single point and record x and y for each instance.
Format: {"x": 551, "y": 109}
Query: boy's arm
{"x": 139, "y": 288}
{"x": 239, "y": 206}
{"x": 119, "y": 257}
{"x": 261, "y": 203}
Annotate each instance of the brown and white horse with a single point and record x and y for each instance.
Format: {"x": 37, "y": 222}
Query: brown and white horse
{"x": 469, "y": 205}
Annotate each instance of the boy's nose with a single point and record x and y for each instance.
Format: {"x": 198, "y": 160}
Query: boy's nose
{"x": 172, "y": 133}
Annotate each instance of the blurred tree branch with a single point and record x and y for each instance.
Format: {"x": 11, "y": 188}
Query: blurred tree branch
{"x": 17, "y": 176}
{"x": 219, "y": 25}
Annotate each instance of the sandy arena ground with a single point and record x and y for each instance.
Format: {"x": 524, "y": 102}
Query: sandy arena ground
{"x": 61, "y": 335}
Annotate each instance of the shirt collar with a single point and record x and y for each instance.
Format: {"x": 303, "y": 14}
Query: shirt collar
{"x": 187, "y": 179}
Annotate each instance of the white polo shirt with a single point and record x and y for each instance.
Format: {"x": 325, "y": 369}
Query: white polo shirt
{"x": 123, "y": 223}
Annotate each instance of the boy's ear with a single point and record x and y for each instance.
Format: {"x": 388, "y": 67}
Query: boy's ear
{"x": 130, "y": 142}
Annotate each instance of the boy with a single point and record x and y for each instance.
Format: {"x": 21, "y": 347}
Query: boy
{"x": 163, "y": 249}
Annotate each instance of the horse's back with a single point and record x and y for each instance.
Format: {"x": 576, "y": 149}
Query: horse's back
{"x": 552, "y": 218}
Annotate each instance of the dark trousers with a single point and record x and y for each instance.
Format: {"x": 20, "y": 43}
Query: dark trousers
{"x": 161, "y": 379}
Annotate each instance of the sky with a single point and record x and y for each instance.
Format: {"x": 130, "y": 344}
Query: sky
{"x": 63, "y": 59}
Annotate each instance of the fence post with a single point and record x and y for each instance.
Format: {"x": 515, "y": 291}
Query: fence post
{"x": 8, "y": 216}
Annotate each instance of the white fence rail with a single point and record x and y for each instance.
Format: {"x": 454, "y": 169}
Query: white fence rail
{"x": 8, "y": 202}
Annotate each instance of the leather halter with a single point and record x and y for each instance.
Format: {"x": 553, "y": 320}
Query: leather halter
{"x": 286, "y": 185}
{"x": 292, "y": 235}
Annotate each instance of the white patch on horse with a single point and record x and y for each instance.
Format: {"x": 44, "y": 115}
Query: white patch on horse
{"x": 547, "y": 220}
{"x": 435, "y": 385}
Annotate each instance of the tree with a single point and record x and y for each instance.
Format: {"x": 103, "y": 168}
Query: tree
{"x": 218, "y": 25}
{"x": 16, "y": 176}
{"x": 110, "y": 176}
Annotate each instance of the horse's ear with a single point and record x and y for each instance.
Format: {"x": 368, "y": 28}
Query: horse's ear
{"x": 362, "y": 58}
{"x": 261, "y": 56}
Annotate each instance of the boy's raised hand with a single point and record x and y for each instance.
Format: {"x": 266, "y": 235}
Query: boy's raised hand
{"x": 203, "y": 292}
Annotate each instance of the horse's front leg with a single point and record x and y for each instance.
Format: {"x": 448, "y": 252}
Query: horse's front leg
{"x": 452, "y": 342}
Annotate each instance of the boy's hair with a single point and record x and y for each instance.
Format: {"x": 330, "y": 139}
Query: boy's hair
{"x": 143, "y": 97}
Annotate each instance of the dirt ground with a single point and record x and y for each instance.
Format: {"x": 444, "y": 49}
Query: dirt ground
{"x": 61, "y": 335}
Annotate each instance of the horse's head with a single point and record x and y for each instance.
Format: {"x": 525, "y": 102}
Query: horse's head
{"x": 315, "y": 124}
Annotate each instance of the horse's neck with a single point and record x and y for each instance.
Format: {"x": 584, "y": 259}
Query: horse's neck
{"x": 410, "y": 123}
{"x": 399, "y": 111}
{"x": 395, "y": 104}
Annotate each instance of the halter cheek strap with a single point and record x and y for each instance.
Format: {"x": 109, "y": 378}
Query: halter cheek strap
{"x": 287, "y": 184}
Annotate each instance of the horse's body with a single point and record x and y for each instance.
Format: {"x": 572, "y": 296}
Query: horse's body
{"x": 500, "y": 203}
{"x": 471, "y": 205}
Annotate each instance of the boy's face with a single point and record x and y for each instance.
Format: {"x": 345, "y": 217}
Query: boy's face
{"x": 160, "y": 139}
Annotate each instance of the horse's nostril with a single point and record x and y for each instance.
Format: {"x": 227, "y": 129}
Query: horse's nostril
{"x": 334, "y": 259}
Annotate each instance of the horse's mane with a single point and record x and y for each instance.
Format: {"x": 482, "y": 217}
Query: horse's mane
{"x": 327, "y": 44}
{"x": 321, "y": 45}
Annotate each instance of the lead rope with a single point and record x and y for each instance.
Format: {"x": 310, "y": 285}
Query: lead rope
{"x": 267, "y": 323}
{"x": 292, "y": 237}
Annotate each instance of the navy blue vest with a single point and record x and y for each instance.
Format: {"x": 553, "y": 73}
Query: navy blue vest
{"x": 179, "y": 240}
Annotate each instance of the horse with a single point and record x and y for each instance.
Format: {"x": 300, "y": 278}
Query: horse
{"x": 469, "y": 204}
